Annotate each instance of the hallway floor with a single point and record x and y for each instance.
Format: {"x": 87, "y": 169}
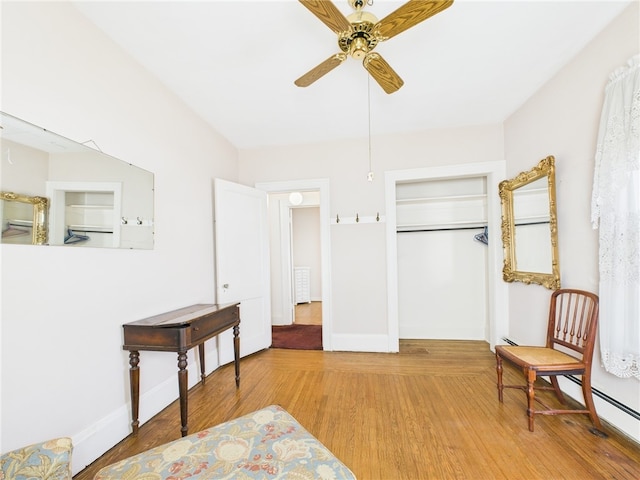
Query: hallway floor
{"x": 309, "y": 313}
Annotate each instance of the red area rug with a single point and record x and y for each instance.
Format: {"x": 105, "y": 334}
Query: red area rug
{"x": 297, "y": 337}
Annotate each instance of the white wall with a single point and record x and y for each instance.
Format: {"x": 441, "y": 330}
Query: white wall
{"x": 63, "y": 371}
{"x": 436, "y": 269}
{"x": 562, "y": 120}
{"x": 306, "y": 246}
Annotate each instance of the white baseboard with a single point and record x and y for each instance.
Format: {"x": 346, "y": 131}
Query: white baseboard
{"x": 359, "y": 343}
{"x": 91, "y": 443}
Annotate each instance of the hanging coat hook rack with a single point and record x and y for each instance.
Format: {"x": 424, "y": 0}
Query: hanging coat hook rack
{"x": 359, "y": 219}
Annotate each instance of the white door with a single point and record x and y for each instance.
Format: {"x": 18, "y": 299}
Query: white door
{"x": 242, "y": 264}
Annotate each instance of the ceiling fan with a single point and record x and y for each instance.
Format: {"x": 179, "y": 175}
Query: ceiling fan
{"x": 360, "y": 32}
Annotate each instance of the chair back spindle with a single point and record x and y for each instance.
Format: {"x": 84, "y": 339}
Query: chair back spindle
{"x": 573, "y": 321}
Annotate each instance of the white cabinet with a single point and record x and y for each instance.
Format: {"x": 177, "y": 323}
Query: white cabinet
{"x": 302, "y": 287}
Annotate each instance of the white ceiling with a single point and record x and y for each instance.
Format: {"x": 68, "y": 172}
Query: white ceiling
{"x": 234, "y": 63}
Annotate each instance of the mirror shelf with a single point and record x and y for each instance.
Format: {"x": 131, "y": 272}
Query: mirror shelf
{"x": 529, "y": 226}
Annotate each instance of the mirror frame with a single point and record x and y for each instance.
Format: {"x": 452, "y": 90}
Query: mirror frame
{"x": 40, "y": 210}
{"x": 545, "y": 168}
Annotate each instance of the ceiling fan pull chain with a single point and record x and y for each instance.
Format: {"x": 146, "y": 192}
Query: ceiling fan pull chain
{"x": 370, "y": 173}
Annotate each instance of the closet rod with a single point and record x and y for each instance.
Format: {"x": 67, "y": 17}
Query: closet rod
{"x": 532, "y": 223}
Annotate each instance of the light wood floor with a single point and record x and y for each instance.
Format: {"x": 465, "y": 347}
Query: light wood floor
{"x": 309, "y": 313}
{"x": 428, "y": 412}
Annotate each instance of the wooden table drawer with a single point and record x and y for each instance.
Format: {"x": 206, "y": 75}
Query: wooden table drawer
{"x": 213, "y": 324}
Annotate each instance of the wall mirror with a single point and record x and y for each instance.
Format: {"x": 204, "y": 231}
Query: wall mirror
{"x": 59, "y": 192}
{"x": 529, "y": 226}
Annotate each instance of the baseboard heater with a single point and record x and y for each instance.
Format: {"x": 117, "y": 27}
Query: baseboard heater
{"x": 625, "y": 408}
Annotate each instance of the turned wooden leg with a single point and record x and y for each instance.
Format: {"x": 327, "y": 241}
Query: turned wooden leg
{"x": 182, "y": 386}
{"x": 588, "y": 401}
{"x": 134, "y": 382}
{"x": 499, "y": 371}
{"x": 201, "y": 355}
{"x": 236, "y": 352}
{"x": 531, "y": 378}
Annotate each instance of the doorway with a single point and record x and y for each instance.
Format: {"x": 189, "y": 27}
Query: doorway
{"x": 282, "y": 280}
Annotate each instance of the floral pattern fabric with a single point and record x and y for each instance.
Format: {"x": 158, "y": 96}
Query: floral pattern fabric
{"x": 267, "y": 444}
{"x": 49, "y": 460}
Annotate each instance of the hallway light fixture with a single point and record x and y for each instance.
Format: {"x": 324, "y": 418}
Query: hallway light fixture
{"x": 295, "y": 198}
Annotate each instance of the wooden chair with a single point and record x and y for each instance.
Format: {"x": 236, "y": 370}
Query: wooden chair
{"x": 571, "y": 333}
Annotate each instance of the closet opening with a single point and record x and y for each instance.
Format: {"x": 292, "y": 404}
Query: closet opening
{"x": 443, "y": 280}
{"x": 442, "y": 264}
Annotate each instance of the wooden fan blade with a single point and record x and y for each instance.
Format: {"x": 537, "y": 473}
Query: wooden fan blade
{"x": 328, "y": 13}
{"x": 409, "y": 15}
{"x": 317, "y": 72}
{"x": 382, "y": 72}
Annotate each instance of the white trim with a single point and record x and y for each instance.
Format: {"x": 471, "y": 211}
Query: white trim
{"x": 102, "y": 435}
{"x": 494, "y": 172}
{"x": 321, "y": 185}
{"x": 286, "y": 267}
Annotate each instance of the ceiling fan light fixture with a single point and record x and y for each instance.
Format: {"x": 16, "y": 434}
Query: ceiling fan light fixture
{"x": 360, "y": 32}
{"x": 359, "y": 47}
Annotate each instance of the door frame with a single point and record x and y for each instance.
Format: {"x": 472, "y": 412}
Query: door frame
{"x": 497, "y": 301}
{"x": 321, "y": 185}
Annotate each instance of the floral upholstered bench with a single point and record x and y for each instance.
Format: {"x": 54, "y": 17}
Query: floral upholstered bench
{"x": 50, "y": 460}
{"x": 267, "y": 444}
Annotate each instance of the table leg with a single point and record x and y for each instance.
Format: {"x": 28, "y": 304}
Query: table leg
{"x": 236, "y": 352}
{"x": 201, "y": 355}
{"x": 134, "y": 381}
{"x": 182, "y": 386}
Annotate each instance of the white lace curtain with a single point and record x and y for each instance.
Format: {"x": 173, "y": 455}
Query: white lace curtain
{"x": 615, "y": 210}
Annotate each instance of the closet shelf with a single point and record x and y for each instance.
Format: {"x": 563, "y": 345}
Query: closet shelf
{"x": 87, "y": 207}
{"x": 448, "y": 198}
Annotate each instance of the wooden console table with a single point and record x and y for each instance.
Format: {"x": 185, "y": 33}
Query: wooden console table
{"x": 178, "y": 331}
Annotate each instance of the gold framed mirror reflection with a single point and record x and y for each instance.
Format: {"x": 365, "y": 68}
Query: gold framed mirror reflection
{"x": 530, "y": 226}
{"x": 24, "y": 219}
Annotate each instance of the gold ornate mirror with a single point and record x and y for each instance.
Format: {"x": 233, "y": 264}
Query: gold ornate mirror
{"x": 24, "y": 219}
{"x": 530, "y": 228}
